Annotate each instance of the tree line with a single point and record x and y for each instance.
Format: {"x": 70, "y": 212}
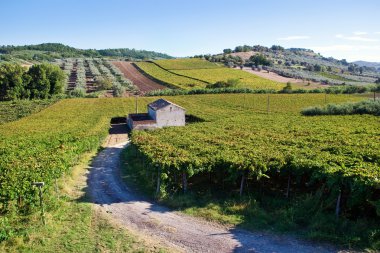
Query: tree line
{"x": 40, "y": 81}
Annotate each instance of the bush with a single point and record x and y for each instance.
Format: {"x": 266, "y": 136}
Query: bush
{"x": 78, "y": 92}
{"x": 224, "y": 84}
{"x": 118, "y": 90}
{"x": 363, "y": 107}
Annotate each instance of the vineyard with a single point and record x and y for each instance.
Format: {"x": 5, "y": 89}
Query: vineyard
{"x": 169, "y": 78}
{"x": 46, "y": 145}
{"x": 196, "y": 73}
{"x": 87, "y": 75}
{"x": 239, "y": 148}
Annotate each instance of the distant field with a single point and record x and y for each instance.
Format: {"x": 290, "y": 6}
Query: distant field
{"x": 335, "y": 77}
{"x": 170, "y": 78}
{"x": 190, "y": 69}
{"x": 247, "y": 80}
{"x": 181, "y": 64}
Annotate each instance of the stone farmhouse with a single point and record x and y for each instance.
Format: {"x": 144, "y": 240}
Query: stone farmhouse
{"x": 161, "y": 113}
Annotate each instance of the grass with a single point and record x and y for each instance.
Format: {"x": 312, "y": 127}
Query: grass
{"x": 14, "y": 110}
{"x": 189, "y": 70}
{"x": 170, "y": 78}
{"x": 246, "y": 80}
{"x": 73, "y": 224}
{"x": 188, "y": 63}
{"x": 335, "y": 77}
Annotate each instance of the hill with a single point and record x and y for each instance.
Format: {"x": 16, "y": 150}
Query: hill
{"x": 368, "y": 64}
{"x": 298, "y": 63}
{"x": 51, "y": 51}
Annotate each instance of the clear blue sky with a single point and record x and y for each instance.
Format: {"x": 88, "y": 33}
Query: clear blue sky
{"x": 343, "y": 29}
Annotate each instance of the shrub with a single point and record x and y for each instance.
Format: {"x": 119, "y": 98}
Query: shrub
{"x": 362, "y": 107}
{"x": 224, "y": 84}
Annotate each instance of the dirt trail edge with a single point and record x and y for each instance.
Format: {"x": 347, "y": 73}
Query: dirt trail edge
{"x": 171, "y": 228}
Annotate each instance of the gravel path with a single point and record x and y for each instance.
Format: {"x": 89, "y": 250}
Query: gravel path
{"x": 170, "y": 228}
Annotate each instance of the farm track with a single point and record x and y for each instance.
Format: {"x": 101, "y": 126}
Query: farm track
{"x": 169, "y": 228}
{"x": 143, "y": 83}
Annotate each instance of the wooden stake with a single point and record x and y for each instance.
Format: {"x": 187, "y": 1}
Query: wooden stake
{"x": 288, "y": 188}
{"x": 242, "y": 183}
{"x": 158, "y": 181}
{"x": 337, "y": 208}
{"x": 184, "y": 182}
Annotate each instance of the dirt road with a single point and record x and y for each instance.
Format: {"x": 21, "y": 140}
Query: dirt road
{"x": 142, "y": 82}
{"x": 169, "y": 228}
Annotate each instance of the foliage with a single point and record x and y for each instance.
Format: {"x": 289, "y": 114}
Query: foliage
{"x": 13, "y": 80}
{"x": 14, "y": 110}
{"x": 230, "y": 83}
{"x": 264, "y": 138}
{"x": 259, "y": 59}
{"x": 38, "y": 82}
{"x": 362, "y": 107}
{"x": 46, "y": 145}
{"x": 51, "y": 51}
{"x": 133, "y": 54}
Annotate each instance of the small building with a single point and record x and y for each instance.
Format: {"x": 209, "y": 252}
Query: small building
{"x": 161, "y": 113}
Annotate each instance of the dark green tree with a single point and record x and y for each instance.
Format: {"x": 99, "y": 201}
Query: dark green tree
{"x": 12, "y": 80}
{"x": 259, "y": 59}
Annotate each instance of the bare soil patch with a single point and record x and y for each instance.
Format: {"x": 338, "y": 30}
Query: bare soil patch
{"x": 282, "y": 79}
{"x": 142, "y": 82}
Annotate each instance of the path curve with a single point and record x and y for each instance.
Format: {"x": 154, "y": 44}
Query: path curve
{"x": 171, "y": 228}
{"x": 142, "y": 82}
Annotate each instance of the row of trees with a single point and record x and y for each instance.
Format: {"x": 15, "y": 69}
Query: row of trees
{"x": 38, "y": 82}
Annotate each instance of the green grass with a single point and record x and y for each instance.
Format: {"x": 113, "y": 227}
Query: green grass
{"x": 335, "y": 77}
{"x": 191, "y": 69}
{"x": 170, "y": 78}
{"x": 14, "y": 110}
{"x": 72, "y": 224}
{"x": 188, "y": 63}
{"x": 246, "y": 80}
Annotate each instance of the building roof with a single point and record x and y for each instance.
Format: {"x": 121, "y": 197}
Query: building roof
{"x": 161, "y": 103}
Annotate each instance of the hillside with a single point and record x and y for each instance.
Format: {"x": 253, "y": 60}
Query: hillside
{"x": 198, "y": 73}
{"x": 298, "y": 63}
{"x": 368, "y": 64}
{"x": 51, "y": 51}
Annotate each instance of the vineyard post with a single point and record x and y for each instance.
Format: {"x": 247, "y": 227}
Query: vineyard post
{"x": 242, "y": 183}
{"x": 184, "y": 182}
{"x": 288, "y": 187}
{"x": 325, "y": 98}
{"x": 158, "y": 180}
{"x": 136, "y": 104}
{"x": 268, "y": 104}
{"x": 40, "y": 185}
{"x": 337, "y": 208}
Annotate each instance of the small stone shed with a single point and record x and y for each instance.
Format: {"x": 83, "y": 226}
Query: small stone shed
{"x": 161, "y": 113}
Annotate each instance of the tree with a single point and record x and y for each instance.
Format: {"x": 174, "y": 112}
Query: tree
{"x": 12, "y": 79}
{"x": 39, "y": 84}
{"x": 260, "y": 59}
{"x": 227, "y": 51}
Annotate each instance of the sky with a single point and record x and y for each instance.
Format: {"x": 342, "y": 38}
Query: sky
{"x": 344, "y": 29}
